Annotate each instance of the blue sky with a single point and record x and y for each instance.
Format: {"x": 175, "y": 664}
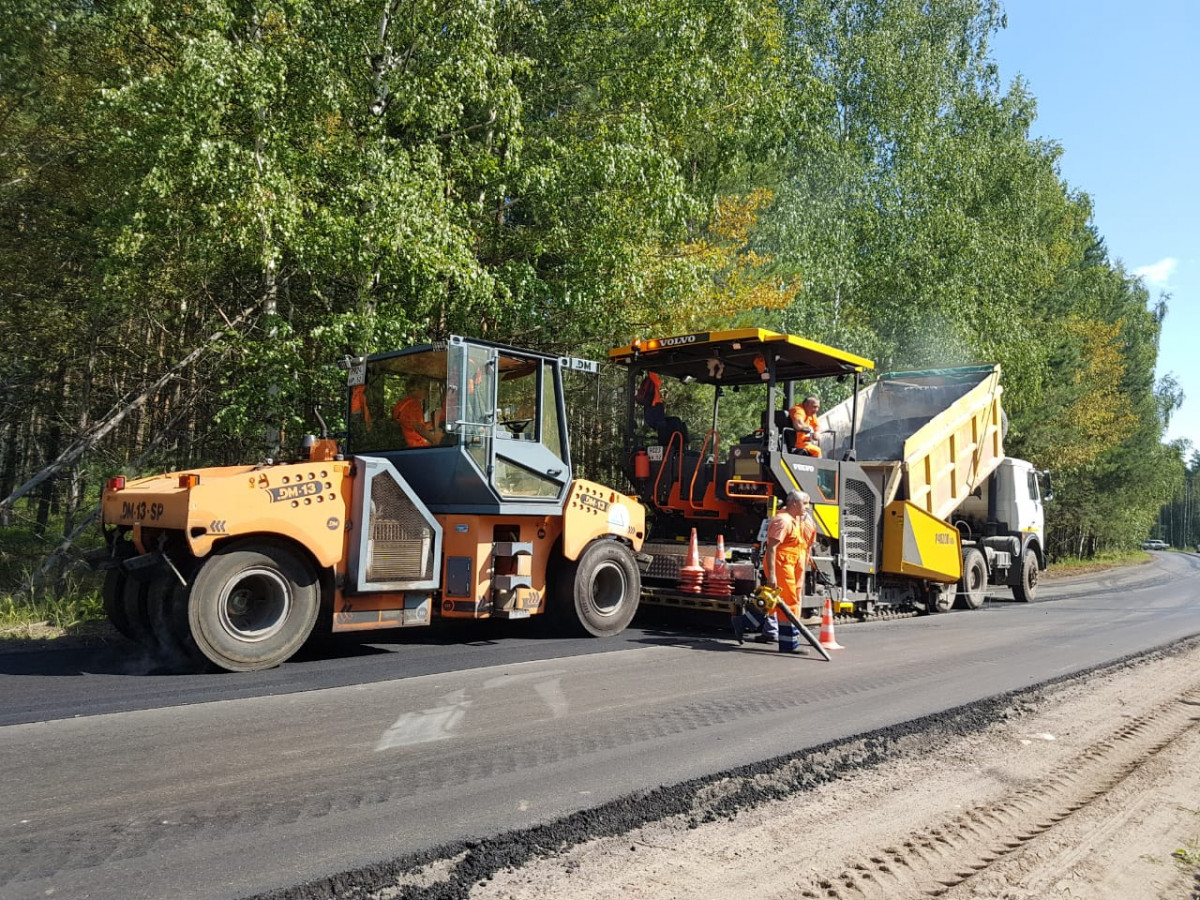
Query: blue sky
{"x": 1118, "y": 86}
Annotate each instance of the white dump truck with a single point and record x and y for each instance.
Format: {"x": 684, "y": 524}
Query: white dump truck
{"x": 935, "y": 440}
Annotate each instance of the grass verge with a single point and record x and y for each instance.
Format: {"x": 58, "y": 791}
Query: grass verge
{"x": 36, "y": 606}
{"x": 1061, "y": 568}
{"x": 33, "y": 621}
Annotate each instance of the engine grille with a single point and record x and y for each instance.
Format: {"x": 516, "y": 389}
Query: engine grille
{"x": 668, "y": 560}
{"x": 401, "y": 540}
{"x": 859, "y": 515}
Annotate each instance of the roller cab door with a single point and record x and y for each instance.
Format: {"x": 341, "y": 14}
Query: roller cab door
{"x": 512, "y": 421}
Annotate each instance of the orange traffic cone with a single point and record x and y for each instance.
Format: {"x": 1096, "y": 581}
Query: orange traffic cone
{"x": 719, "y": 582}
{"x": 691, "y": 574}
{"x": 827, "y": 640}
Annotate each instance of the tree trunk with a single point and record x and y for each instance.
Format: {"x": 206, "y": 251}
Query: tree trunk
{"x": 46, "y": 496}
{"x": 75, "y": 487}
{"x": 68, "y": 541}
{"x": 8, "y": 467}
{"x": 115, "y": 417}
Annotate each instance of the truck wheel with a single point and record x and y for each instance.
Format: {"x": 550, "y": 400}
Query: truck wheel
{"x": 113, "y": 594}
{"x": 601, "y": 588}
{"x": 941, "y": 598}
{"x": 973, "y": 586}
{"x": 1025, "y": 590}
{"x": 253, "y": 607}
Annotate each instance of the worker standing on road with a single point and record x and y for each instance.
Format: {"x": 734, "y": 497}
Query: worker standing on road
{"x": 790, "y": 536}
{"x": 804, "y": 420}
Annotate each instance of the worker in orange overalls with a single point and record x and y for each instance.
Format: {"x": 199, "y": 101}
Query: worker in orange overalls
{"x": 804, "y": 420}
{"x": 654, "y": 412}
{"x": 790, "y": 536}
{"x": 358, "y": 403}
{"x": 649, "y": 395}
{"x": 410, "y": 413}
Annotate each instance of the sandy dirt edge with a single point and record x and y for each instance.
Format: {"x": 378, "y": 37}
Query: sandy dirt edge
{"x": 1139, "y": 838}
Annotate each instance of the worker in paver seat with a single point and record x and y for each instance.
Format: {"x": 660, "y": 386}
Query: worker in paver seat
{"x": 410, "y": 413}
{"x": 790, "y": 536}
{"x": 654, "y": 411}
{"x": 804, "y": 420}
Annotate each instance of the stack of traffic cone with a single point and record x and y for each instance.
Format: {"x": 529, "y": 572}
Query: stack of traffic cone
{"x": 691, "y": 574}
{"x": 718, "y": 582}
{"x": 827, "y": 640}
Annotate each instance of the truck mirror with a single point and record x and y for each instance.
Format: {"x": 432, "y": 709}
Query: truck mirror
{"x": 1047, "y": 487}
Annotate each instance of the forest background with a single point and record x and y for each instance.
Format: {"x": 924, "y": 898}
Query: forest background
{"x": 205, "y": 205}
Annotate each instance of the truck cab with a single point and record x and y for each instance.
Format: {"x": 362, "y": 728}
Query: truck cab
{"x": 1018, "y": 503}
{"x": 1004, "y": 517}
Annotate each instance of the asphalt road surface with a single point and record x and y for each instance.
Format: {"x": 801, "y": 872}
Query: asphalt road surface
{"x": 122, "y": 783}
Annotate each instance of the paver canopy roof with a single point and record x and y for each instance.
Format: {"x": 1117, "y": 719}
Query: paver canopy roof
{"x": 738, "y": 357}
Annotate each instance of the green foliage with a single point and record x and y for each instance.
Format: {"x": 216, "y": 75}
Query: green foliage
{"x": 63, "y": 597}
{"x": 1177, "y": 521}
{"x": 1188, "y": 855}
{"x": 205, "y": 205}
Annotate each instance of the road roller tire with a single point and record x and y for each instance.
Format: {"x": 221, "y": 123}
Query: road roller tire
{"x": 598, "y": 593}
{"x": 253, "y": 607}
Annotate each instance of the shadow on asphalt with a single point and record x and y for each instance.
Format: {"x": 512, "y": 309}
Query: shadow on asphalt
{"x": 653, "y": 626}
{"x": 128, "y": 658}
{"x": 125, "y": 658}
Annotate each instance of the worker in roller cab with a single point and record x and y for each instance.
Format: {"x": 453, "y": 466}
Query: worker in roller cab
{"x": 360, "y": 410}
{"x": 806, "y": 425}
{"x": 409, "y": 412}
{"x": 790, "y": 536}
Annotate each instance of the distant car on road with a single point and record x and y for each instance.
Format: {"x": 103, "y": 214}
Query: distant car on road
{"x": 1156, "y": 544}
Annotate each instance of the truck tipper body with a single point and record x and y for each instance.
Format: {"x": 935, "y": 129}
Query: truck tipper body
{"x": 934, "y": 439}
{"x": 926, "y": 437}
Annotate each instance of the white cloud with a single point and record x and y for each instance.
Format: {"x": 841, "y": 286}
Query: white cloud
{"x": 1157, "y": 274}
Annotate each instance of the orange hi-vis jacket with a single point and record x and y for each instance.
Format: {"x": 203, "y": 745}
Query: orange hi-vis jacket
{"x": 796, "y": 537}
{"x": 806, "y": 442}
{"x": 409, "y": 412}
{"x": 650, "y": 391}
{"x": 358, "y": 402}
